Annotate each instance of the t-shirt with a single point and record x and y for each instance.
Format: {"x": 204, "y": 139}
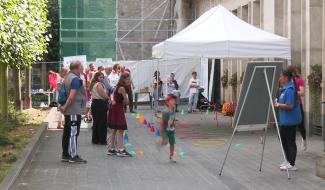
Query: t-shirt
{"x": 76, "y": 83}
{"x": 166, "y": 116}
{"x": 299, "y": 83}
{"x": 289, "y": 117}
{"x": 113, "y": 79}
{"x": 194, "y": 82}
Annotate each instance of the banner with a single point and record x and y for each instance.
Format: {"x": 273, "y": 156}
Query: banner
{"x": 81, "y": 58}
{"x": 105, "y": 62}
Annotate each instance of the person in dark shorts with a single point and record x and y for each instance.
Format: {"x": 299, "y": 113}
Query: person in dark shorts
{"x": 116, "y": 118}
{"x": 168, "y": 125}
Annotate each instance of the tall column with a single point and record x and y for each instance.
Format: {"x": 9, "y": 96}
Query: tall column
{"x": 320, "y": 168}
{"x": 268, "y": 15}
{"x": 305, "y": 57}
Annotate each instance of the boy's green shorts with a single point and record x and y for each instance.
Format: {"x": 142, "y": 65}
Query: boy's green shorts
{"x": 170, "y": 135}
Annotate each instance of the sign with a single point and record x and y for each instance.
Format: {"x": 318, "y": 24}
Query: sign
{"x": 81, "y": 58}
{"x": 105, "y": 62}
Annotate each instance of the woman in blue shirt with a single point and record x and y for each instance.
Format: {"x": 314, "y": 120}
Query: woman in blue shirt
{"x": 289, "y": 117}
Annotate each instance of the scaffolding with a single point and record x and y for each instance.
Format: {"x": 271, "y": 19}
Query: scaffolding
{"x": 87, "y": 27}
{"x": 117, "y": 29}
{"x": 142, "y": 24}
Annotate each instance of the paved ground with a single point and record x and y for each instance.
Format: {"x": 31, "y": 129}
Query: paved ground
{"x": 198, "y": 136}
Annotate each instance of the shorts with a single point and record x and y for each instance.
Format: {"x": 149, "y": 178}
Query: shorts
{"x": 170, "y": 135}
{"x": 88, "y": 104}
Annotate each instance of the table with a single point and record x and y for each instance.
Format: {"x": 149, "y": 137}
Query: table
{"x": 136, "y": 95}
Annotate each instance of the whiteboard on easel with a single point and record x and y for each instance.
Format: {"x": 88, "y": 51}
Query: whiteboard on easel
{"x": 254, "y": 105}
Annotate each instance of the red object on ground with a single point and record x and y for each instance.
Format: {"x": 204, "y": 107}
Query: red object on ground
{"x": 152, "y": 129}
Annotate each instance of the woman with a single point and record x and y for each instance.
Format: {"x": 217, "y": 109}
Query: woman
{"x": 99, "y": 108}
{"x": 129, "y": 90}
{"x": 115, "y": 75}
{"x": 157, "y": 89}
{"x": 290, "y": 118}
{"x": 116, "y": 118}
{"x": 172, "y": 88}
{"x": 299, "y": 82}
{"x": 59, "y": 83}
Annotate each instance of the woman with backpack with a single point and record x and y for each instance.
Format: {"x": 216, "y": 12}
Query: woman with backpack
{"x": 99, "y": 108}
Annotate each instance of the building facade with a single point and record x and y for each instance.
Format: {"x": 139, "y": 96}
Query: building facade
{"x": 300, "y": 20}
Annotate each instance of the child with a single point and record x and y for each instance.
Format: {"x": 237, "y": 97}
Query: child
{"x": 168, "y": 126}
{"x": 194, "y": 86}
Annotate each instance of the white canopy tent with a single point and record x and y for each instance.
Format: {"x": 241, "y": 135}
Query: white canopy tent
{"x": 220, "y": 34}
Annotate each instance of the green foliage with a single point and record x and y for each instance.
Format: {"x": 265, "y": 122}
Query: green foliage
{"x": 315, "y": 77}
{"x": 314, "y": 82}
{"x": 23, "y": 25}
{"x": 233, "y": 80}
{"x": 224, "y": 79}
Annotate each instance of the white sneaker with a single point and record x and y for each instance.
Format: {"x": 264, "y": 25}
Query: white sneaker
{"x": 172, "y": 159}
{"x": 285, "y": 163}
{"x": 303, "y": 145}
{"x": 289, "y": 167}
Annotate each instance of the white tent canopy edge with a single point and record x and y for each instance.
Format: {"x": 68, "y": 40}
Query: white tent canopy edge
{"x": 220, "y": 34}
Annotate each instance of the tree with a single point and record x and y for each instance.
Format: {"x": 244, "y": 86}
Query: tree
{"x": 23, "y": 25}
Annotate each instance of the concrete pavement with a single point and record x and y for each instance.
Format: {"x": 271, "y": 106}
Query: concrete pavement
{"x": 198, "y": 136}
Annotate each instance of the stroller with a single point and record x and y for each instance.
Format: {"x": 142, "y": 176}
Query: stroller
{"x": 204, "y": 104}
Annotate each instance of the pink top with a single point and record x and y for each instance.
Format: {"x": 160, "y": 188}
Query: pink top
{"x": 299, "y": 83}
{"x": 52, "y": 80}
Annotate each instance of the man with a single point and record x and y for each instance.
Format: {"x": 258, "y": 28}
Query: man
{"x": 108, "y": 71}
{"x": 194, "y": 86}
{"x": 72, "y": 110}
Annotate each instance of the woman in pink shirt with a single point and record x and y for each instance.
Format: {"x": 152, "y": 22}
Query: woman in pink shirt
{"x": 299, "y": 83}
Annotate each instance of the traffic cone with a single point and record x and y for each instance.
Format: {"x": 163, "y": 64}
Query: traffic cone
{"x": 157, "y": 133}
{"x": 126, "y": 137}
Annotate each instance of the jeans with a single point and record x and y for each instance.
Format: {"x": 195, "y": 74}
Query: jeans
{"x": 156, "y": 95}
{"x": 70, "y": 135}
{"x": 192, "y": 102}
{"x": 288, "y": 138}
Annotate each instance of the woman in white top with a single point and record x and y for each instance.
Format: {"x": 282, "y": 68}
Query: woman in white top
{"x": 114, "y": 77}
{"x": 99, "y": 108}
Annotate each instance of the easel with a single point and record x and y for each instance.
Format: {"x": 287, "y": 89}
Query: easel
{"x": 267, "y": 120}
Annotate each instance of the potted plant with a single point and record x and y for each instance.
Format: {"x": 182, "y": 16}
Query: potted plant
{"x": 314, "y": 82}
{"x": 224, "y": 82}
{"x": 233, "y": 84}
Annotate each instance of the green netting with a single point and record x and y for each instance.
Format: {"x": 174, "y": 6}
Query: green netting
{"x": 88, "y": 27}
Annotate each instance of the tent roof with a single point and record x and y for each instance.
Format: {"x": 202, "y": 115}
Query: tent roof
{"x": 220, "y": 34}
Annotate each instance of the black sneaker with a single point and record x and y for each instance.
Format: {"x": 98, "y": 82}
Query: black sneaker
{"x": 111, "y": 152}
{"x": 123, "y": 153}
{"x": 65, "y": 158}
{"x": 77, "y": 159}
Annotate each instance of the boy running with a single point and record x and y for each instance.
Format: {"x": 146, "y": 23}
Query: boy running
{"x": 168, "y": 126}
